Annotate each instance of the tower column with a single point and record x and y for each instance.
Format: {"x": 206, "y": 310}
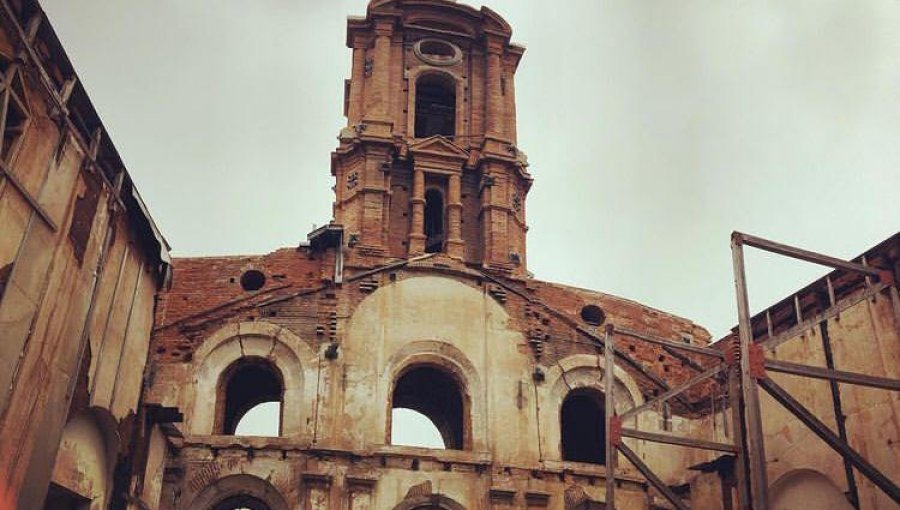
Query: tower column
{"x": 455, "y": 246}
{"x": 417, "y": 225}
{"x": 377, "y": 86}
{"x": 355, "y": 101}
{"x": 494, "y": 106}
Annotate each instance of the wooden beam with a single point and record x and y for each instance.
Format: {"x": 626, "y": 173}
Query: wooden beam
{"x": 705, "y": 351}
{"x": 610, "y": 407}
{"x": 754, "y": 442}
{"x": 634, "y": 411}
{"x": 787, "y": 367}
{"x": 801, "y": 254}
{"x": 834, "y": 311}
{"x": 652, "y": 478}
{"x": 678, "y": 440}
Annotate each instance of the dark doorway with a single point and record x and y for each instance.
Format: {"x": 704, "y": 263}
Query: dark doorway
{"x": 583, "y": 427}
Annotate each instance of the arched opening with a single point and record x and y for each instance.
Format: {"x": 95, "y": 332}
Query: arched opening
{"x": 238, "y": 492}
{"x": 241, "y": 502}
{"x": 435, "y": 395}
{"x": 251, "y": 393}
{"x": 583, "y": 427}
{"x": 805, "y": 488}
{"x": 434, "y": 221}
{"x": 83, "y": 469}
{"x": 435, "y": 106}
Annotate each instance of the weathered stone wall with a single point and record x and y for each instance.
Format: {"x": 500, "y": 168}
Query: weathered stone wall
{"x": 80, "y": 263}
{"x": 866, "y": 339}
{"x": 336, "y": 412}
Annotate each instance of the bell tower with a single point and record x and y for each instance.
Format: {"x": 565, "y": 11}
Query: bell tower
{"x": 428, "y": 162}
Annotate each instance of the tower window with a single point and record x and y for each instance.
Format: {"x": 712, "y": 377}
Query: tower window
{"x": 583, "y": 426}
{"x": 435, "y": 106}
{"x": 434, "y": 221}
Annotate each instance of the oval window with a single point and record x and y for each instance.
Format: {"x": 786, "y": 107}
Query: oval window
{"x": 437, "y": 52}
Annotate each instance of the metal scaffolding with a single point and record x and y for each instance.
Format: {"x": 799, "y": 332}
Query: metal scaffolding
{"x": 744, "y": 364}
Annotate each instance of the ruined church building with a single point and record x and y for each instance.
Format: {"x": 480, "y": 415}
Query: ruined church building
{"x": 124, "y": 374}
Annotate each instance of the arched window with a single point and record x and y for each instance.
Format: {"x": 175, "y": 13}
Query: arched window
{"x": 435, "y": 106}
{"x": 434, "y": 221}
{"x": 583, "y": 427}
{"x": 250, "y": 399}
{"x": 434, "y": 394}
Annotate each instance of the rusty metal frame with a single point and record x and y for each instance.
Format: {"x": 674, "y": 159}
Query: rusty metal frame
{"x": 753, "y": 366}
{"x": 745, "y": 366}
{"x": 615, "y": 430}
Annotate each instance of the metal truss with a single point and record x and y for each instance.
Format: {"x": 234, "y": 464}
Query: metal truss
{"x": 744, "y": 364}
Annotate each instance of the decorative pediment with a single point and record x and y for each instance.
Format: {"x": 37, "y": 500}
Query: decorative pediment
{"x": 439, "y": 146}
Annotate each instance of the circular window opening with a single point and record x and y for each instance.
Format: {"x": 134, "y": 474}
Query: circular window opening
{"x": 437, "y": 52}
{"x": 252, "y": 280}
{"x": 592, "y": 314}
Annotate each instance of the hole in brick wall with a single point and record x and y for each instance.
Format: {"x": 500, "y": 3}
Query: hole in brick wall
{"x": 592, "y": 314}
{"x": 231, "y": 280}
{"x": 583, "y": 425}
{"x": 632, "y": 348}
{"x": 252, "y": 280}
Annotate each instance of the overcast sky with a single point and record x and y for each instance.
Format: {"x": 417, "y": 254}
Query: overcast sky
{"x": 653, "y": 129}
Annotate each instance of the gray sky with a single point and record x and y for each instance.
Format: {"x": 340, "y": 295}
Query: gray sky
{"x": 653, "y": 129}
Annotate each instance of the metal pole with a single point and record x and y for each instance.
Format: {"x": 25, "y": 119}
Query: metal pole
{"x": 755, "y": 444}
{"x": 610, "y": 407}
{"x": 799, "y": 253}
{"x": 652, "y": 478}
{"x": 742, "y": 480}
{"x": 839, "y": 418}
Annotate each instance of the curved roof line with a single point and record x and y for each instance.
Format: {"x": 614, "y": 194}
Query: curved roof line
{"x": 484, "y": 14}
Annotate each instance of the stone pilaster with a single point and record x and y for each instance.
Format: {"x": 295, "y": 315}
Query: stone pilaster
{"x": 455, "y": 245}
{"x": 417, "y": 224}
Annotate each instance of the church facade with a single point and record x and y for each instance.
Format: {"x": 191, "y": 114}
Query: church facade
{"x": 416, "y": 296}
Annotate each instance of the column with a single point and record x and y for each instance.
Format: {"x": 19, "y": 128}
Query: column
{"x": 355, "y": 101}
{"x": 494, "y": 103}
{"x": 417, "y": 225}
{"x": 455, "y": 246}
{"x": 377, "y": 86}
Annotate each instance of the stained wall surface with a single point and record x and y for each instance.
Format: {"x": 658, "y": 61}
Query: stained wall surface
{"x": 80, "y": 263}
